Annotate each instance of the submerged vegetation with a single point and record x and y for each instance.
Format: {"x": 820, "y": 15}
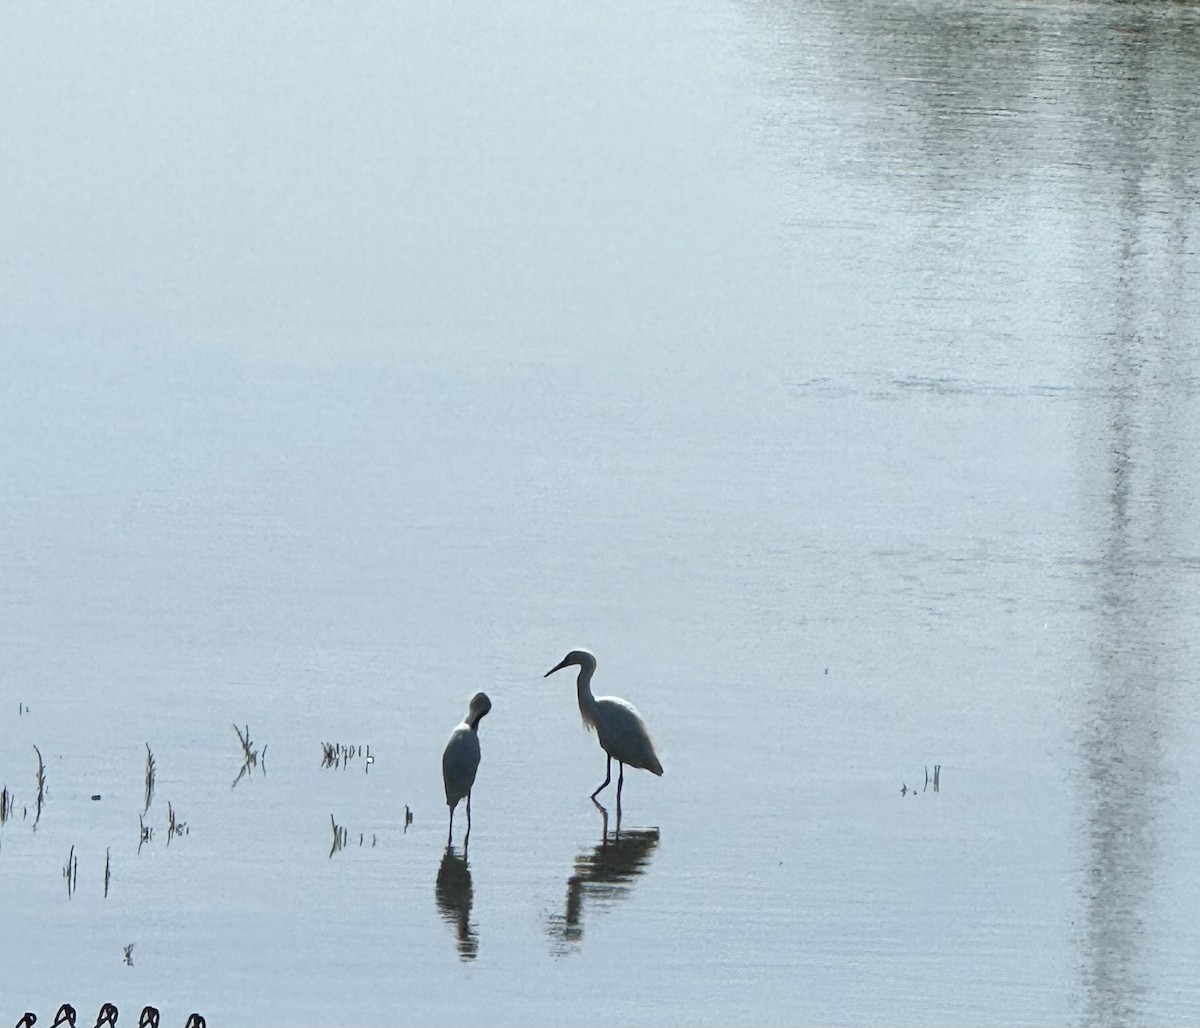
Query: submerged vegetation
{"x": 251, "y": 757}
{"x": 71, "y": 872}
{"x": 335, "y": 755}
{"x": 150, "y": 769}
{"x": 339, "y": 755}
{"x": 41, "y": 787}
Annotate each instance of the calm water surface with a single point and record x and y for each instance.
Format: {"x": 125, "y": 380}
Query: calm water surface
{"x": 832, "y": 374}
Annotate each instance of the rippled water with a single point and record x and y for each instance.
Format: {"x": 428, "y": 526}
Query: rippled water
{"x": 832, "y": 374}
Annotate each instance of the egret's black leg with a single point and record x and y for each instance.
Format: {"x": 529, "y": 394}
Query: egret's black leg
{"x": 468, "y": 836}
{"x": 450, "y": 834}
{"x": 607, "y": 777}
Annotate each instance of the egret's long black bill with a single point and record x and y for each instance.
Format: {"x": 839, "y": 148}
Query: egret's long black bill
{"x": 557, "y": 667}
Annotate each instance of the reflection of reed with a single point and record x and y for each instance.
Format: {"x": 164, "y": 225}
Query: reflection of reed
{"x": 455, "y": 894}
{"x": 604, "y": 875}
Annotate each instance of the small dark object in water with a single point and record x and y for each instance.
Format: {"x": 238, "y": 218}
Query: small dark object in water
{"x": 150, "y": 772}
{"x": 28, "y": 1021}
{"x": 96, "y": 796}
{"x": 41, "y": 786}
{"x": 149, "y": 1018}
{"x": 195, "y": 1021}
{"x": 107, "y": 1016}
{"x": 71, "y": 872}
{"x": 65, "y": 1015}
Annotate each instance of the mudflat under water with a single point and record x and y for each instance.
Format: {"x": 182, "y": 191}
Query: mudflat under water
{"x": 832, "y": 374}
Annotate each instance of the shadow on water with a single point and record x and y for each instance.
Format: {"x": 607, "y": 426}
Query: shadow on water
{"x": 603, "y": 875}
{"x": 455, "y": 894}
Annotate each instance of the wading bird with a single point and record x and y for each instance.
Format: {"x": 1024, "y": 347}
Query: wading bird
{"x": 461, "y": 760}
{"x": 619, "y": 726}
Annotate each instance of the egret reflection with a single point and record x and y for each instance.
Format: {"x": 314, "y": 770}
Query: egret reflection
{"x": 454, "y": 894}
{"x": 603, "y": 875}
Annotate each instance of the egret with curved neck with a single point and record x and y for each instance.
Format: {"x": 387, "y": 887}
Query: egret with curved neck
{"x": 619, "y": 727}
{"x": 460, "y": 761}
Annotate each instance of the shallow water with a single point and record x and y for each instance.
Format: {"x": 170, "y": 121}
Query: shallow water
{"x": 833, "y": 375}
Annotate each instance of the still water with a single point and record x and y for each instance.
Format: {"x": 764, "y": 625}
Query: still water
{"x": 830, "y": 370}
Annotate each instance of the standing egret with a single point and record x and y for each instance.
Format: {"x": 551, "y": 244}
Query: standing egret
{"x": 619, "y": 726}
{"x": 460, "y": 761}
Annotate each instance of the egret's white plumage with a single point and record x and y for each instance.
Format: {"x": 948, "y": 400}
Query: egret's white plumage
{"x": 618, "y": 725}
{"x": 460, "y": 761}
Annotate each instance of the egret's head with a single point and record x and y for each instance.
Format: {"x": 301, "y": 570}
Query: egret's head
{"x": 480, "y": 705}
{"x": 583, "y": 658}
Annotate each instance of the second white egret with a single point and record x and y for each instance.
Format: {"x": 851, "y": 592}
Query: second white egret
{"x": 619, "y": 727}
{"x": 460, "y": 761}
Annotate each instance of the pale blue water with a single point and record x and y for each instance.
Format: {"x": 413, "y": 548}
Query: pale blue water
{"x": 831, "y": 374}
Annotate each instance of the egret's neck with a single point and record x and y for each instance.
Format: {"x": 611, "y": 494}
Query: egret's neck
{"x": 583, "y": 687}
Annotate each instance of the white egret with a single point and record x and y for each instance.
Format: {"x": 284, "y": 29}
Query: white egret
{"x": 618, "y": 725}
{"x": 460, "y": 761}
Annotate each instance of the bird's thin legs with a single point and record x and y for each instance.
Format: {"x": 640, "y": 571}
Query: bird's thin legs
{"x": 467, "y": 839}
{"x": 607, "y": 777}
{"x": 616, "y": 835}
{"x": 620, "y": 785}
{"x": 450, "y": 834}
